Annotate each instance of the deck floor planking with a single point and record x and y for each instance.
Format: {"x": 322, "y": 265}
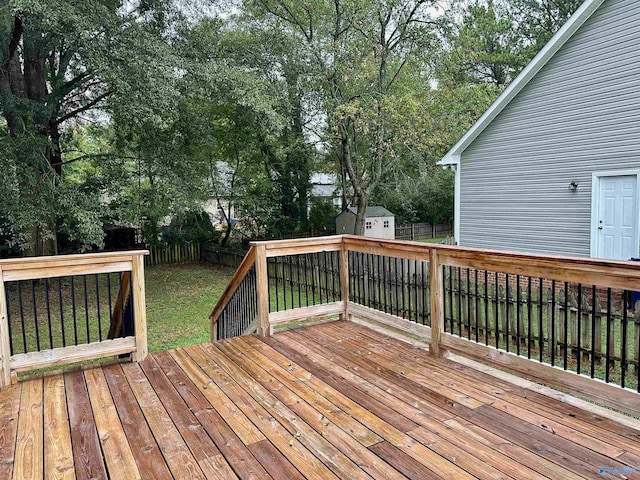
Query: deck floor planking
{"x": 336, "y": 400}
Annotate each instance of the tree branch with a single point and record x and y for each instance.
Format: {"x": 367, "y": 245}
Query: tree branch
{"x": 84, "y": 108}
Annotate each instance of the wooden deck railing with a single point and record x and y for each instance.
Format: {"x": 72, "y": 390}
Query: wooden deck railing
{"x": 70, "y": 308}
{"x": 568, "y": 322}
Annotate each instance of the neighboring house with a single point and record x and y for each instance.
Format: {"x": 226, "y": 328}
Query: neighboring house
{"x": 325, "y": 185}
{"x": 554, "y": 165}
{"x": 379, "y": 222}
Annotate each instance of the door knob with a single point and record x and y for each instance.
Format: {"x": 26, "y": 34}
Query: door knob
{"x": 600, "y": 227}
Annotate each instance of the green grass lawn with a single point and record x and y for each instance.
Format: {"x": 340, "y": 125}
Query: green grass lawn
{"x": 179, "y": 301}
{"x": 432, "y": 240}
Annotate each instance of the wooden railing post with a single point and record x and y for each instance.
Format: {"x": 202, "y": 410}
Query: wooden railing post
{"x": 262, "y": 291}
{"x": 344, "y": 280}
{"x": 5, "y": 349}
{"x": 139, "y": 307}
{"x": 436, "y": 287}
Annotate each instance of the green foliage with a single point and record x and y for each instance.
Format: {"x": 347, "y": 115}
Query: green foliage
{"x": 322, "y": 215}
{"x": 133, "y": 113}
{"x": 191, "y": 227}
{"x": 539, "y": 20}
{"x": 428, "y": 197}
{"x": 485, "y": 46}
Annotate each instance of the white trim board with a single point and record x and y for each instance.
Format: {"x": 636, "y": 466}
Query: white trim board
{"x": 595, "y": 204}
{"x": 540, "y": 60}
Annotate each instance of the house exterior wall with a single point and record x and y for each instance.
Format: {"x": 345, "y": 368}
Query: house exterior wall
{"x": 579, "y": 115}
{"x": 381, "y": 227}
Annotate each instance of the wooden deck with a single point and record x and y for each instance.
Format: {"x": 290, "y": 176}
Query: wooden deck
{"x": 330, "y": 401}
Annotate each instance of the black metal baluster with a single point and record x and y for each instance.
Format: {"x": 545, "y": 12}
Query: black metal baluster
{"x": 507, "y": 301}
{"x": 73, "y": 311}
{"x": 297, "y": 257}
{"x": 424, "y": 297}
{"x": 553, "y": 341}
{"x": 35, "y": 314}
{"x": 459, "y": 302}
{"x": 593, "y": 331}
{"x": 408, "y": 289}
{"x": 367, "y": 279}
{"x": 377, "y": 282}
{"x": 109, "y": 297}
{"x": 496, "y": 307}
{"x": 86, "y": 307}
{"x": 277, "y": 290}
{"x": 395, "y": 275}
{"x": 360, "y": 279}
{"x": 290, "y": 262}
{"x": 48, "y": 306}
{"x": 386, "y": 287}
{"x": 97, "y": 279}
{"x": 540, "y": 327}
{"x": 326, "y": 277}
{"x": 381, "y": 277}
{"x": 608, "y": 339}
{"x": 579, "y": 328}
{"x": 477, "y": 309}
{"x": 6, "y": 299}
{"x": 21, "y": 310}
{"x": 566, "y": 326}
{"x": 333, "y": 276}
{"x": 404, "y": 305}
{"x": 451, "y": 298}
{"x": 306, "y": 279}
{"x": 468, "y": 294}
{"x": 518, "y": 314}
{"x": 486, "y": 307}
{"x": 64, "y": 336}
{"x": 623, "y": 339}
{"x": 529, "y": 317}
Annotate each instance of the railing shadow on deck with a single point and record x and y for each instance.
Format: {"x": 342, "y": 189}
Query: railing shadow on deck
{"x": 63, "y": 309}
{"x": 571, "y": 323}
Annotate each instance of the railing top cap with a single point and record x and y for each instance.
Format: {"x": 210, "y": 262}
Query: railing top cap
{"x": 452, "y": 250}
{"x": 99, "y": 257}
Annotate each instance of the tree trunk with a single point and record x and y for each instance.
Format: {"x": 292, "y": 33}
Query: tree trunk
{"x": 362, "y": 201}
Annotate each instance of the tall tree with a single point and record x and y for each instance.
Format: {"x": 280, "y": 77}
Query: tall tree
{"x": 360, "y": 53}
{"x": 59, "y": 62}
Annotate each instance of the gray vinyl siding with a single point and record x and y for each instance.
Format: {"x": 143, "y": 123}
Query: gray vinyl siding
{"x": 580, "y": 114}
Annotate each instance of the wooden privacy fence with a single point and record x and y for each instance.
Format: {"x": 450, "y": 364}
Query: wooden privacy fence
{"x": 70, "y": 308}
{"x": 173, "y": 254}
{"x": 422, "y": 231}
{"x": 223, "y": 256}
{"x": 567, "y": 322}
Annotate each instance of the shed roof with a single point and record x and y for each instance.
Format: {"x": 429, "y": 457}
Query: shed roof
{"x": 374, "y": 211}
{"x": 550, "y": 49}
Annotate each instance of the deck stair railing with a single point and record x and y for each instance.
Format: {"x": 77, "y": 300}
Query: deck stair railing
{"x": 237, "y": 310}
{"x": 573, "y": 323}
{"x": 70, "y": 308}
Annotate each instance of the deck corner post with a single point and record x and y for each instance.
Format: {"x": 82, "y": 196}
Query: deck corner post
{"x": 139, "y": 307}
{"x": 437, "y": 303}
{"x": 262, "y": 290}
{"x": 5, "y": 349}
{"x": 344, "y": 279}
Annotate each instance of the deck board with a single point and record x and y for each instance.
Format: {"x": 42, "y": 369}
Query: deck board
{"x": 336, "y": 400}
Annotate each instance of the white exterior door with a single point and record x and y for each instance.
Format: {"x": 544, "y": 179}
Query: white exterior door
{"x": 617, "y": 221}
